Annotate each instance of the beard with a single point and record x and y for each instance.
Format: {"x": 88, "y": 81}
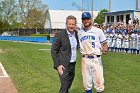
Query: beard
{"x": 87, "y": 24}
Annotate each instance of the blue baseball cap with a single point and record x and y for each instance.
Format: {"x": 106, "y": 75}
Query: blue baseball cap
{"x": 86, "y": 15}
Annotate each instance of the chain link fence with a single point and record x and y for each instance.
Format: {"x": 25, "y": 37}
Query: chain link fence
{"x": 28, "y": 32}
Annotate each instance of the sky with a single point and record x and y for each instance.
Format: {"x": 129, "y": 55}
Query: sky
{"x": 117, "y": 5}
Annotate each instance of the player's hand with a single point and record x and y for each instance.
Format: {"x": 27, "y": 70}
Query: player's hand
{"x": 104, "y": 50}
{"x": 60, "y": 69}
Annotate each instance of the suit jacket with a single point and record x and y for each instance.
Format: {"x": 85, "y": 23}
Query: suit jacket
{"x": 61, "y": 49}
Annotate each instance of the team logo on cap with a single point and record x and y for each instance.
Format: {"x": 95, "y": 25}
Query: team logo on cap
{"x": 85, "y": 14}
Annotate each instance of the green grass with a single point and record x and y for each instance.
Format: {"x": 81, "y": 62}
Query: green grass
{"x": 32, "y": 70}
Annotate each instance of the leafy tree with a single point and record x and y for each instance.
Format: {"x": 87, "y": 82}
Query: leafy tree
{"x": 6, "y": 9}
{"x": 35, "y": 19}
{"x": 4, "y": 24}
{"x": 29, "y": 11}
{"x": 1, "y": 21}
{"x": 1, "y": 24}
{"x": 17, "y": 24}
{"x": 101, "y": 17}
{"x": 22, "y": 13}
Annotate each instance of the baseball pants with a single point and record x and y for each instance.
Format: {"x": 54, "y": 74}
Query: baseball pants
{"x": 92, "y": 72}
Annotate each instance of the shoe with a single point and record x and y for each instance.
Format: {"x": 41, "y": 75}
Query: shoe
{"x": 100, "y": 92}
{"x": 88, "y": 91}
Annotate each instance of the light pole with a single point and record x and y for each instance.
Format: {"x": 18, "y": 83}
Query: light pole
{"x": 82, "y": 6}
{"x": 77, "y": 6}
{"x": 110, "y": 5}
{"x": 92, "y": 11}
{"x": 137, "y": 5}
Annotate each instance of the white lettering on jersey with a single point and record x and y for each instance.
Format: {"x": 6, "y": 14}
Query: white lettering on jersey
{"x": 90, "y": 41}
{"x": 89, "y": 37}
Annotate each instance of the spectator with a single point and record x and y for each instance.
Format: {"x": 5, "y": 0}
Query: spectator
{"x": 137, "y": 21}
{"x": 130, "y": 22}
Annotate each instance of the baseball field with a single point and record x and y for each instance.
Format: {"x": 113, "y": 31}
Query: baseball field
{"x": 31, "y": 69}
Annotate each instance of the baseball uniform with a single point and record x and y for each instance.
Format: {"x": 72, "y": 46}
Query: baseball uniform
{"x": 90, "y": 47}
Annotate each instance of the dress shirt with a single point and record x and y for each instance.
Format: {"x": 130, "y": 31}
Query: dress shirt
{"x": 73, "y": 43}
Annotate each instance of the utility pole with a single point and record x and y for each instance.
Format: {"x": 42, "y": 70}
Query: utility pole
{"x": 137, "y": 5}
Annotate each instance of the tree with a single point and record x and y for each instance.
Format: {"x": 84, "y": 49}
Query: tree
{"x": 1, "y": 24}
{"x": 7, "y": 8}
{"x": 0, "y": 20}
{"x": 29, "y": 12}
{"x": 4, "y": 24}
{"x": 35, "y": 19}
{"x": 18, "y": 13}
{"x": 101, "y": 17}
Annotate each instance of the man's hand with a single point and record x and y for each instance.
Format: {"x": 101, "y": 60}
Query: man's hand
{"x": 60, "y": 69}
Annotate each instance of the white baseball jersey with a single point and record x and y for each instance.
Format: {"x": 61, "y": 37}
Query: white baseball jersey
{"x": 134, "y": 40}
{"x": 90, "y": 41}
{"x": 138, "y": 42}
{"x": 119, "y": 42}
{"x": 126, "y": 41}
{"x": 113, "y": 41}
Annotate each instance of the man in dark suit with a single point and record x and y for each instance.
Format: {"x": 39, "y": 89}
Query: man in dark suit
{"x": 63, "y": 53}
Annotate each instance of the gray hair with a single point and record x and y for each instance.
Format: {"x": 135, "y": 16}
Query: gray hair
{"x": 71, "y": 17}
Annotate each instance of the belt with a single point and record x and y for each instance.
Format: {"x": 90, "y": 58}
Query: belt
{"x": 91, "y": 56}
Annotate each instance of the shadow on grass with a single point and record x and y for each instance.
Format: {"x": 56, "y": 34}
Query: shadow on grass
{"x": 76, "y": 91}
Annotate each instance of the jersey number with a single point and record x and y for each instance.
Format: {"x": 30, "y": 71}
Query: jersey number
{"x": 93, "y": 44}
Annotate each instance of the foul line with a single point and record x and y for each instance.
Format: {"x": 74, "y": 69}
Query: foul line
{"x": 3, "y": 71}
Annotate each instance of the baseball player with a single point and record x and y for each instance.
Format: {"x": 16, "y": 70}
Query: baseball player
{"x": 113, "y": 40}
{"x": 124, "y": 31}
{"x": 138, "y": 41}
{"x": 133, "y": 42}
{"x": 109, "y": 38}
{"x": 92, "y": 44}
{"x": 119, "y": 42}
{"x": 112, "y": 32}
{"x": 126, "y": 42}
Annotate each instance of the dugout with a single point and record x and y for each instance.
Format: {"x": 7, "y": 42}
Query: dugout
{"x": 117, "y": 16}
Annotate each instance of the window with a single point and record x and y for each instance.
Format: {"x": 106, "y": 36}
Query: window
{"x": 112, "y": 18}
{"x": 119, "y": 18}
{"x": 108, "y": 17}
